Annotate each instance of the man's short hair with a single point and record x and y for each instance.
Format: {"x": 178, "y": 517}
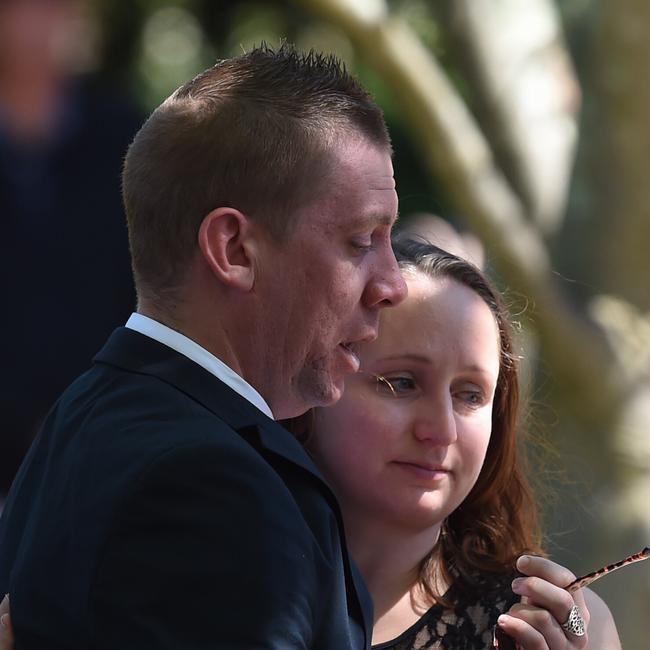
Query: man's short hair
{"x": 254, "y": 133}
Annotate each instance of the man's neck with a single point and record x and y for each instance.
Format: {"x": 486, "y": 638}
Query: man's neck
{"x": 201, "y": 329}
{"x": 193, "y": 350}
{"x": 239, "y": 336}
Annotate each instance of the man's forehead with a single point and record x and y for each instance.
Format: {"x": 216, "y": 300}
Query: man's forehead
{"x": 357, "y": 191}
{"x": 380, "y": 183}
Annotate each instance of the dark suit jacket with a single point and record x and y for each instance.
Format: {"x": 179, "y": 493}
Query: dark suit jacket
{"x": 159, "y": 509}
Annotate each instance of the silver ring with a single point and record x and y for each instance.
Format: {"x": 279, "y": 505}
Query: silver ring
{"x": 574, "y": 624}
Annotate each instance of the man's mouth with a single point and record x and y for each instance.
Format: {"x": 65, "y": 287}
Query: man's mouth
{"x": 350, "y": 351}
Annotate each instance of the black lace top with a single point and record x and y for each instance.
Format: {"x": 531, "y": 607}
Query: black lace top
{"x": 468, "y": 626}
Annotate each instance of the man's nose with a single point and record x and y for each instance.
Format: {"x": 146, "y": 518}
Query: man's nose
{"x": 387, "y": 287}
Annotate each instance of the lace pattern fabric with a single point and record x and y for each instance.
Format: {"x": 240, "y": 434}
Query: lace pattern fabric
{"x": 467, "y": 626}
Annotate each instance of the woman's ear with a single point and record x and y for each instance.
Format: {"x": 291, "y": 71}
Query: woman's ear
{"x": 227, "y": 245}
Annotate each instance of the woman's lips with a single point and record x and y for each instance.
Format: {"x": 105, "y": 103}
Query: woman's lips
{"x": 427, "y": 472}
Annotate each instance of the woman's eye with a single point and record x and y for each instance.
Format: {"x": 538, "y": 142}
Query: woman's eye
{"x": 471, "y": 398}
{"x": 395, "y": 385}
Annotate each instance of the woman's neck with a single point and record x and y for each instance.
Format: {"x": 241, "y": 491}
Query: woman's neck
{"x": 389, "y": 558}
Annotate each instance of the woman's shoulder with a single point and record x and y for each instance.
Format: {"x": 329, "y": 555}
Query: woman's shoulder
{"x": 467, "y": 625}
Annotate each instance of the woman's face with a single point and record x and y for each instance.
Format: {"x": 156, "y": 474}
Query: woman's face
{"x": 406, "y": 451}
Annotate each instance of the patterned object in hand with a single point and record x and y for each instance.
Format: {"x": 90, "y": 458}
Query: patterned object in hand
{"x": 502, "y": 641}
{"x": 585, "y": 580}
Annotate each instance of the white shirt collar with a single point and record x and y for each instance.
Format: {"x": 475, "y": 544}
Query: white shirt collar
{"x": 192, "y": 350}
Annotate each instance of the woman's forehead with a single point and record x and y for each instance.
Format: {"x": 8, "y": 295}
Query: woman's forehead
{"x": 435, "y": 308}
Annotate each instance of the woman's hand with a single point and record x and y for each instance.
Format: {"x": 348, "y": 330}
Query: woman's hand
{"x": 541, "y": 620}
{"x": 6, "y": 632}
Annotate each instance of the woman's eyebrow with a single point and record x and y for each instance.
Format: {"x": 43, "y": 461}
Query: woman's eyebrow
{"x": 425, "y": 359}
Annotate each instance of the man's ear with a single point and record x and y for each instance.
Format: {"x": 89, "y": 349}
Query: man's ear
{"x": 227, "y": 246}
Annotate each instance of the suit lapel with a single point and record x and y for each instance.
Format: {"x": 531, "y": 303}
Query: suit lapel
{"x": 141, "y": 354}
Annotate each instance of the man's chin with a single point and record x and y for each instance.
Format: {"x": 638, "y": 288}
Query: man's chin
{"x": 328, "y": 392}
{"x": 321, "y": 394}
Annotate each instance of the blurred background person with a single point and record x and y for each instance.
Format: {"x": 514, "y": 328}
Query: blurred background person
{"x": 64, "y": 256}
{"x": 431, "y": 228}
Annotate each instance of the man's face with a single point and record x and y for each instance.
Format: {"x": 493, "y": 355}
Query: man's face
{"x": 329, "y": 280}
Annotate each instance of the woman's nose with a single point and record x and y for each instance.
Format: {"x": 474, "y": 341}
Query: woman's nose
{"x": 436, "y": 423}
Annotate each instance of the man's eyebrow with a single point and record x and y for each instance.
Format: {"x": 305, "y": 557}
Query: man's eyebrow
{"x": 374, "y": 220}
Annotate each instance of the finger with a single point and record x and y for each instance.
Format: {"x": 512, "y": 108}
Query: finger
{"x": 543, "y": 594}
{"x": 532, "y": 565}
{"x": 5, "y": 624}
{"x": 5, "y": 621}
{"x": 522, "y": 633}
{"x": 6, "y": 631}
{"x": 546, "y": 625}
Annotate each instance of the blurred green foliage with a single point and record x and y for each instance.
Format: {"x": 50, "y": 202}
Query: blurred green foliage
{"x": 152, "y": 46}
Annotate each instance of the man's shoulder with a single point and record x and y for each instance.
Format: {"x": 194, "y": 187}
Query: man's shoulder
{"x": 116, "y": 427}
{"x": 117, "y": 393}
